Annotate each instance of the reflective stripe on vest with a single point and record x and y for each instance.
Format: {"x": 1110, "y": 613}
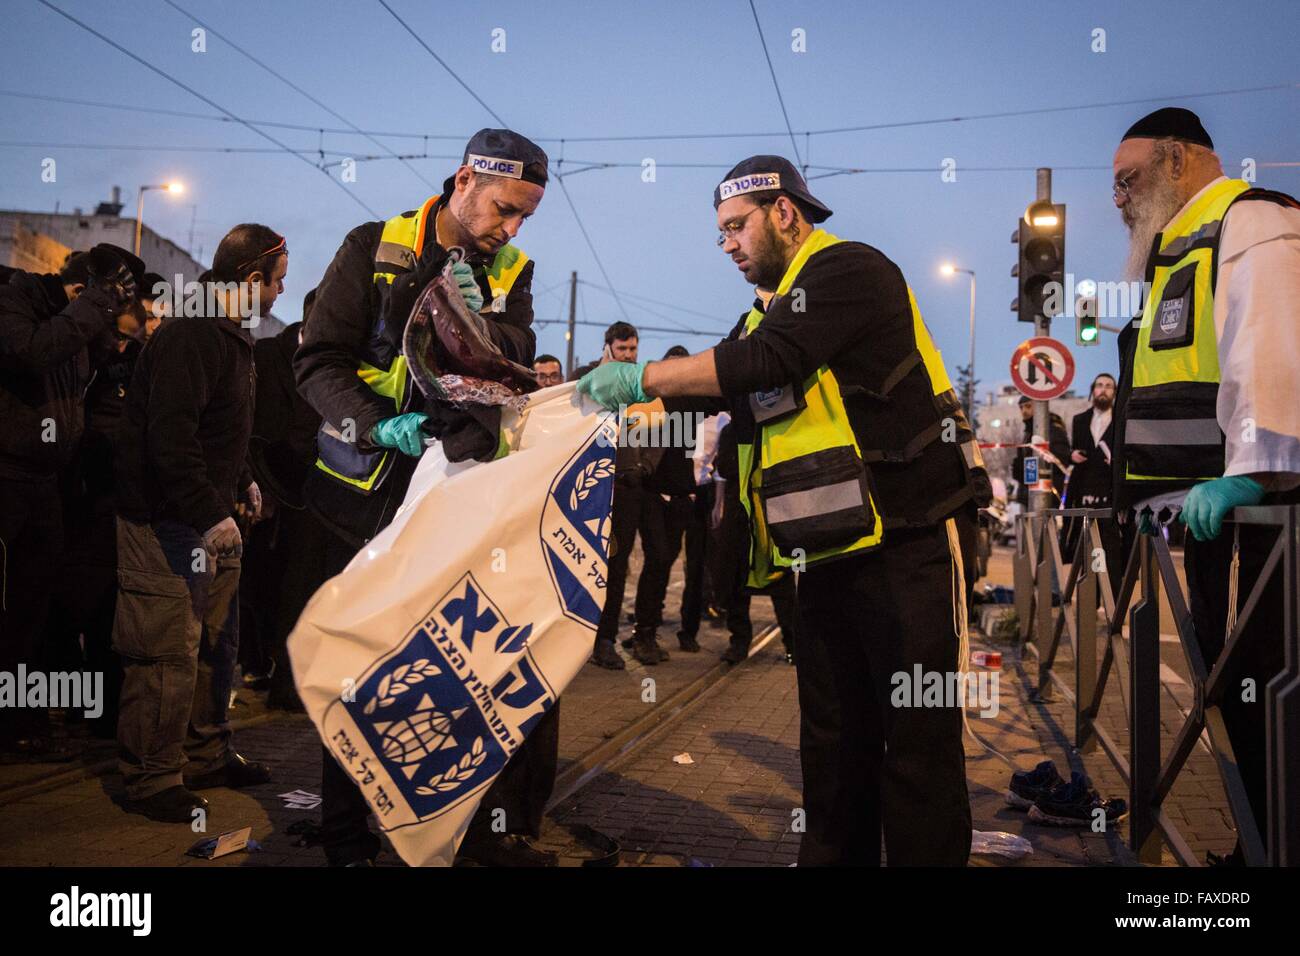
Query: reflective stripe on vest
{"x": 806, "y": 492}
{"x": 1171, "y": 430}
{"x": 399, "y": 248}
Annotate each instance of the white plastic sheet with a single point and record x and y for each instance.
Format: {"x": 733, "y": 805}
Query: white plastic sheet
{"x": 428, "y": 660}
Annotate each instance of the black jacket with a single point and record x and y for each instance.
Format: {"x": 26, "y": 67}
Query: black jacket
{"x": 855, "y": 317}
{"x": 48, "y": 348}
{"x": 347, "y": 306}
{"x": 1058, "y": 443}
{"x": 183, "y": 439}
{"x": 1090, "y": 479}
{"x": 282, "y": 450}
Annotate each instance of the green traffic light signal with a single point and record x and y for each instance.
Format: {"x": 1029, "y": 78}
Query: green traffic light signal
{"x": 1088, "y": 333}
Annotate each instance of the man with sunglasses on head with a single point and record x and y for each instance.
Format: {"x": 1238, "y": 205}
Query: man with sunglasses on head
{"x": 182, "y": 478}
{"x": 351, "y": 369}
{"x": 856, "y": 469}
{"x": 1206, "y": 417}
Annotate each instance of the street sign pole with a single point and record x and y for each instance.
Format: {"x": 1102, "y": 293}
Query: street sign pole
{"x": 1042, "y": 500}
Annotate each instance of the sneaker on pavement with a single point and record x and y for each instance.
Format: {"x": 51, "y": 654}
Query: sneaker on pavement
{"x": 604, "y": 655}
{"x": 1028, "y": 785}
{"x": 173, "y": 805}
{"x": 688, "y": 643}
{"x": 648, "y": 652}
{"x": 1075, "y": 804}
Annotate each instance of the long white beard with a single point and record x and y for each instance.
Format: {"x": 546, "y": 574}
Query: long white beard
{"x": 1149, "y": 217}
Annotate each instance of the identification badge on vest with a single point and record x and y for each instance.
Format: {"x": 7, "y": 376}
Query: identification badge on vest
{"x": 1173, "y": 326}
{"x": 775, "y": 403}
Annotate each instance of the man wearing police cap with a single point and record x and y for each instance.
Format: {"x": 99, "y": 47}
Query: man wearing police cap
{"x": 857, "y": 469}
{"x": 1205, "y": 415}
{"x": 350, "y": 368}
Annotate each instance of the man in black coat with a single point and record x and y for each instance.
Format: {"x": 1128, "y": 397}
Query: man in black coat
{"x": 53, "y": 330}
{"x": 182, "y": 477}
{"x": 1058, "y": 444}
{"x": 1092, "y": 436}
{"x": 350, "y": 368}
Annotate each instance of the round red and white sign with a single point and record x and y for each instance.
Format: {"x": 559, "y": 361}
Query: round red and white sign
{"x": 1042, "y": 368}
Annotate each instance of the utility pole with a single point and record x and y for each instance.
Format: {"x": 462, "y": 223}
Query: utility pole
{"x": 1042, "y": 500}
{"x": 573, "y": 319}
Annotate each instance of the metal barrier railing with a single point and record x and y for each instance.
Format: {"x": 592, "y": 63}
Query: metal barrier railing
{"x": 1150, "y": 566}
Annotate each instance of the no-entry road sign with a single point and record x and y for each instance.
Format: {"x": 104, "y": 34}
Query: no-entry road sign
{"x": 1042, "y": 368}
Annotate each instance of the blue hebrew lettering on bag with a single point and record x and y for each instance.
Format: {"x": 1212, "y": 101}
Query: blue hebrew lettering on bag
{"x": 575, "y": 526}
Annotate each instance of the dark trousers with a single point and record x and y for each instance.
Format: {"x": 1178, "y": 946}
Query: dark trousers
{"x": 867, "y": 764}
{"x": 1259, "y": 655}
{"x": 80, "y": 630}
{"x": 177, "y": 629}
{"x": 31, "y": 539}
{"x": 522, "y": 789}
{"x": 624, "y": 518}
{"x": 694, "y": 593}
{"x": 662, "y": 526}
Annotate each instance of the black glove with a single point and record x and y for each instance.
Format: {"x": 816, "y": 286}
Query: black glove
{"x": 110, "y": 277}
{"x": 465, "y": 433}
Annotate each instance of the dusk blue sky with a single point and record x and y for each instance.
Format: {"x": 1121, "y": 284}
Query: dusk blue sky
{"x": 632, "y": 69}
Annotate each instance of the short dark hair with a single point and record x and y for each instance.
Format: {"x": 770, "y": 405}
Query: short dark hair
{"x": 1099, "y": 378}
{"x": 620, "y": 331}
{"x": 249, "y": 247}
{"x": 677, "y": 351}
{"x": 544, "y": 357}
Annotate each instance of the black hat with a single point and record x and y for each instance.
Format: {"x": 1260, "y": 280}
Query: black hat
{"x": 765, "y": 174}
{"x": 149, "y": 282}
{"x": 1171, "y": 121}
{"x": 105, "y": 257}
{"x": 503, "y": 152}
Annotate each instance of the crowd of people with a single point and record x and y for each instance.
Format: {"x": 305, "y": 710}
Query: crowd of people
{"x": 169, "y": 485}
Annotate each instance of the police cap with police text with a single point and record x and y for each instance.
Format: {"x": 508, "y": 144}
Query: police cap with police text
{"x": 503, "y": 152}
{"x": 762, "y": 174}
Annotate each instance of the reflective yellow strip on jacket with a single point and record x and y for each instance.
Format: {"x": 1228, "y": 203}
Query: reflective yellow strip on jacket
{"x": 822, "y": 424}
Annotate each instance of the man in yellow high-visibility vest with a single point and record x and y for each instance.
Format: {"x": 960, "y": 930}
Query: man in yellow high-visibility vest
{"x": 351, "y": 369}
{"x": 857, "y": 469}
{"x": 1206, "y": 417}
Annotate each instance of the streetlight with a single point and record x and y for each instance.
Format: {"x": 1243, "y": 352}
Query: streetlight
{"x": 949, "y": 269}
{"x": 173, "y": 187}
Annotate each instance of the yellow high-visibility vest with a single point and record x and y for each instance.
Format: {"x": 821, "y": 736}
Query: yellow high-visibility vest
{"x": 384, "y": 372}
{"x": 1171, "y": 430}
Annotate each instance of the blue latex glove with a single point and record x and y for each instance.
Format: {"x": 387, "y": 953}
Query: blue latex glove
{"x": 401, "y": 432}
{"x": 1207, "y": 504}
{"x": 614, "y": 384}
{"x": 464, "y": 274}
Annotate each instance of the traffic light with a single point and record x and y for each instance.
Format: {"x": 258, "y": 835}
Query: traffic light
{"x": 1041, "y": 269}
{"x": 1085, "y": 320}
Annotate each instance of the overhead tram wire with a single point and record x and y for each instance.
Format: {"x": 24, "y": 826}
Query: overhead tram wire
{"x": 441, "y": 62}
{"x": 298, "y": 89}
{"x": 646, "y": 298}
{"x": 590, "y": 245}
{"x": 646, "y": 137}
{"x": 779, "y": 98}
{"x": 215, "y": 105}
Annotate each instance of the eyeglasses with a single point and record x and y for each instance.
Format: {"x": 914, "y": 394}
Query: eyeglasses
{"x": 734, "y": 228}
{"x": 282, "y": 246}
{"x": 1124, "y": 185}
